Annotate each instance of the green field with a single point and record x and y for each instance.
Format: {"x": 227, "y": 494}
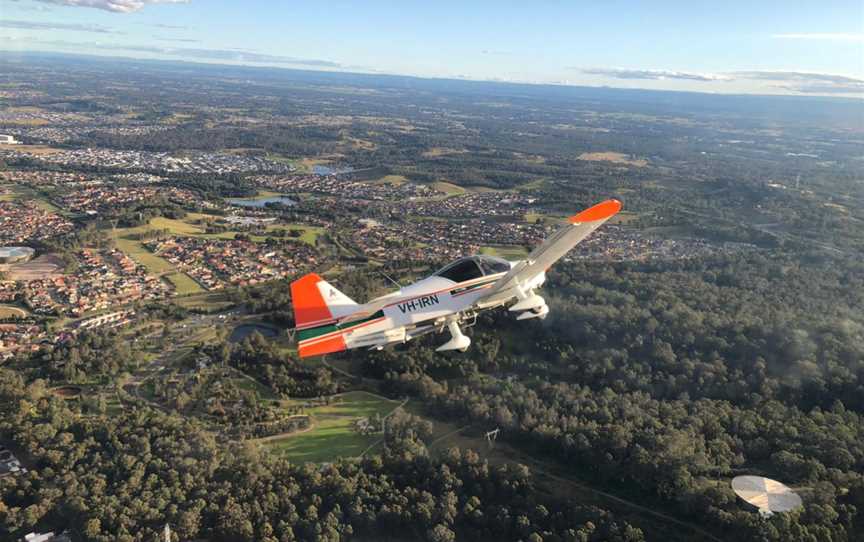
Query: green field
{"x": 393, "y": 180}
{"x": 249, "y": 384}
{"x": 260, "y": 194}
{"x": 624, "y": 217}
{"x": 186, "y": 227}
{"x": 127, "y": 241}
{"x": 206, "y": 301}
{"x": 448, "y": 188}
{"x": 184, "y": 284}
{"x": 135, "y": 250}
{"x": 332, "y": 436}
{"x": 17, "y": 192}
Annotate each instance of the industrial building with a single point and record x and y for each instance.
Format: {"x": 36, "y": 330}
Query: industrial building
{"x": 8, "y": 140}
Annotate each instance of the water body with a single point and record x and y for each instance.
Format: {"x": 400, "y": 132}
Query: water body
{"x": 326, "y": 170}
{"x": 242, "y": 331}
{"x": 260, "y": 203}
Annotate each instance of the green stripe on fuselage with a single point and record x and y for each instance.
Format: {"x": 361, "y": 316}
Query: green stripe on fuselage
{"x": 312, "y": 332}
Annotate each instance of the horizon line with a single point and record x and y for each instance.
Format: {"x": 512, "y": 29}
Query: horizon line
{"x": 831, "y": 97}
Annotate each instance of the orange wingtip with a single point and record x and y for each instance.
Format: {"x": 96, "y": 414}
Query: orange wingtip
{"x": 327, "y": 346}
{"x": 601, "y": 211}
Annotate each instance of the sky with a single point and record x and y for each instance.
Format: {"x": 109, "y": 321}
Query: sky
{"x": 734, "y": 46}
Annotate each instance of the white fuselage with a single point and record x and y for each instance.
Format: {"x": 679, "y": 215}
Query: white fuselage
{"x": 426, "y": 306}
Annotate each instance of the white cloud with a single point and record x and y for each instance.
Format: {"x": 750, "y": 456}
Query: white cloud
{"x": 823, "y": 36}
{"x": 626, "y": 73}
{"x": 807, "y": 82}
{"x": 35, "y": 25}
{"x": 117, "y": 6}
{"x": 791, "y": 81}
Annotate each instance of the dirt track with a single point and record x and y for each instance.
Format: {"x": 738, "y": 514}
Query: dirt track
{"x": 43, "y": 267}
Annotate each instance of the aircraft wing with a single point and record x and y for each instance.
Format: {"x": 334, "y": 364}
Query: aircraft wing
{"x": 560, "y": 243}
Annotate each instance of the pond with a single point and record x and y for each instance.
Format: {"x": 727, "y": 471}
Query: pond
{"x": 67, "y": 392}
{"x": 327, "y": 170}
{"x": 244, "y": 330}
{"x": 262, "y": 201}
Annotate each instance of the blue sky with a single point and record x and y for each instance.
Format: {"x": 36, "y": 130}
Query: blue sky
{"x": 757, "y": 46}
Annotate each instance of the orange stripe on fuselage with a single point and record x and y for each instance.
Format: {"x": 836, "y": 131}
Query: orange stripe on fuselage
{"x": 334, "y": 344}
{"x": 309, "y": 304}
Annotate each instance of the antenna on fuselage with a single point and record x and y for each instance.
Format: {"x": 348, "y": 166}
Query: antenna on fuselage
{"x": 388, "y": 277}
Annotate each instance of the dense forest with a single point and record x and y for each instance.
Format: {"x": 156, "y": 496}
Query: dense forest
{"x": 118, "y": 479}
{"x": 670, "y": 378}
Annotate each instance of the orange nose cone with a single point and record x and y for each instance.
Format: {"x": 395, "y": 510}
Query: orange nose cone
{"x": 601, "y": 211}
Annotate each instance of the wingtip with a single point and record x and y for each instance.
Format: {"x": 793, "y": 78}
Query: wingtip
{"x": 601, "y": 211}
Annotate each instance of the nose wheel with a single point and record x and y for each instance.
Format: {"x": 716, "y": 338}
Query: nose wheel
{"x": 458, "y": 340}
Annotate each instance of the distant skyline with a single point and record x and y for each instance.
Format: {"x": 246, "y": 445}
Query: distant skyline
{"x": 768, "y": 47}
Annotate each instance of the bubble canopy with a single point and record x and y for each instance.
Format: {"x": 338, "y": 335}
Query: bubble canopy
{"x": 473, "y": 267}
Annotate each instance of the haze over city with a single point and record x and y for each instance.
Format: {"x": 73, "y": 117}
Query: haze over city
{"x": 776, "y": 47}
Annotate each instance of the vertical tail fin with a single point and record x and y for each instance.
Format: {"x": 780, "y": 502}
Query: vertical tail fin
{"x": 317, "y": 304}
{"x": 316, "y": 301}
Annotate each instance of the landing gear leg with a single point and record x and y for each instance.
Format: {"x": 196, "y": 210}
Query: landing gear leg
{"x": 458, "y": 341}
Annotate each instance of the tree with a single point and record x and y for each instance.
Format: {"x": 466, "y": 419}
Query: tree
{"x": 440, "y": 533}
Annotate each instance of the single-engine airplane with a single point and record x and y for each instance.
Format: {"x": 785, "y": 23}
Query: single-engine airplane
{"x": 329, "y": 321}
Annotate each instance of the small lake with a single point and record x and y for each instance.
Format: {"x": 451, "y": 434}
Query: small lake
{"x": 327, "y": 170}
{"x": 244, "y": 330}
{"x": 260, "y": 203}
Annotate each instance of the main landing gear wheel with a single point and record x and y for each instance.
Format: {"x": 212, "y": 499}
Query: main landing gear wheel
{"x": 458, "y": 341}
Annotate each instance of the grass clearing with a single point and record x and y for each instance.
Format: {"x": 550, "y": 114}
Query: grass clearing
{"x": 206, "y": 301}
{"x": 248, "y": 384}
{"x": 184, "y": 284}
{"x": 18, "y": 192}
{"x": 305, "y": 164}
{"x": 448, "y": 188}
{"x": 310, "y": 233}
{"x": 260, "y": 194}
{"x": 536, "y": 184}
{"x": 613, "y": 157}
{"x": 7, "y": 192}
{"x": 177, "y": 227}
{"x": 128, "y": 242}
{"x": 332, "y": 435}
{"x": 135, "y": 250}
{"x": 435, "y": 152}
{"x": 47, "y": 206}
{"x": 38, "y": 150}
{"x": 624, "y": 217}
{"x": 392, "y": 180}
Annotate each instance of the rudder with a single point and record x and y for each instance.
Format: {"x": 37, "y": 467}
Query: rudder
{"x": 317, "y": 302}
{"x": 317, "y": 305}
